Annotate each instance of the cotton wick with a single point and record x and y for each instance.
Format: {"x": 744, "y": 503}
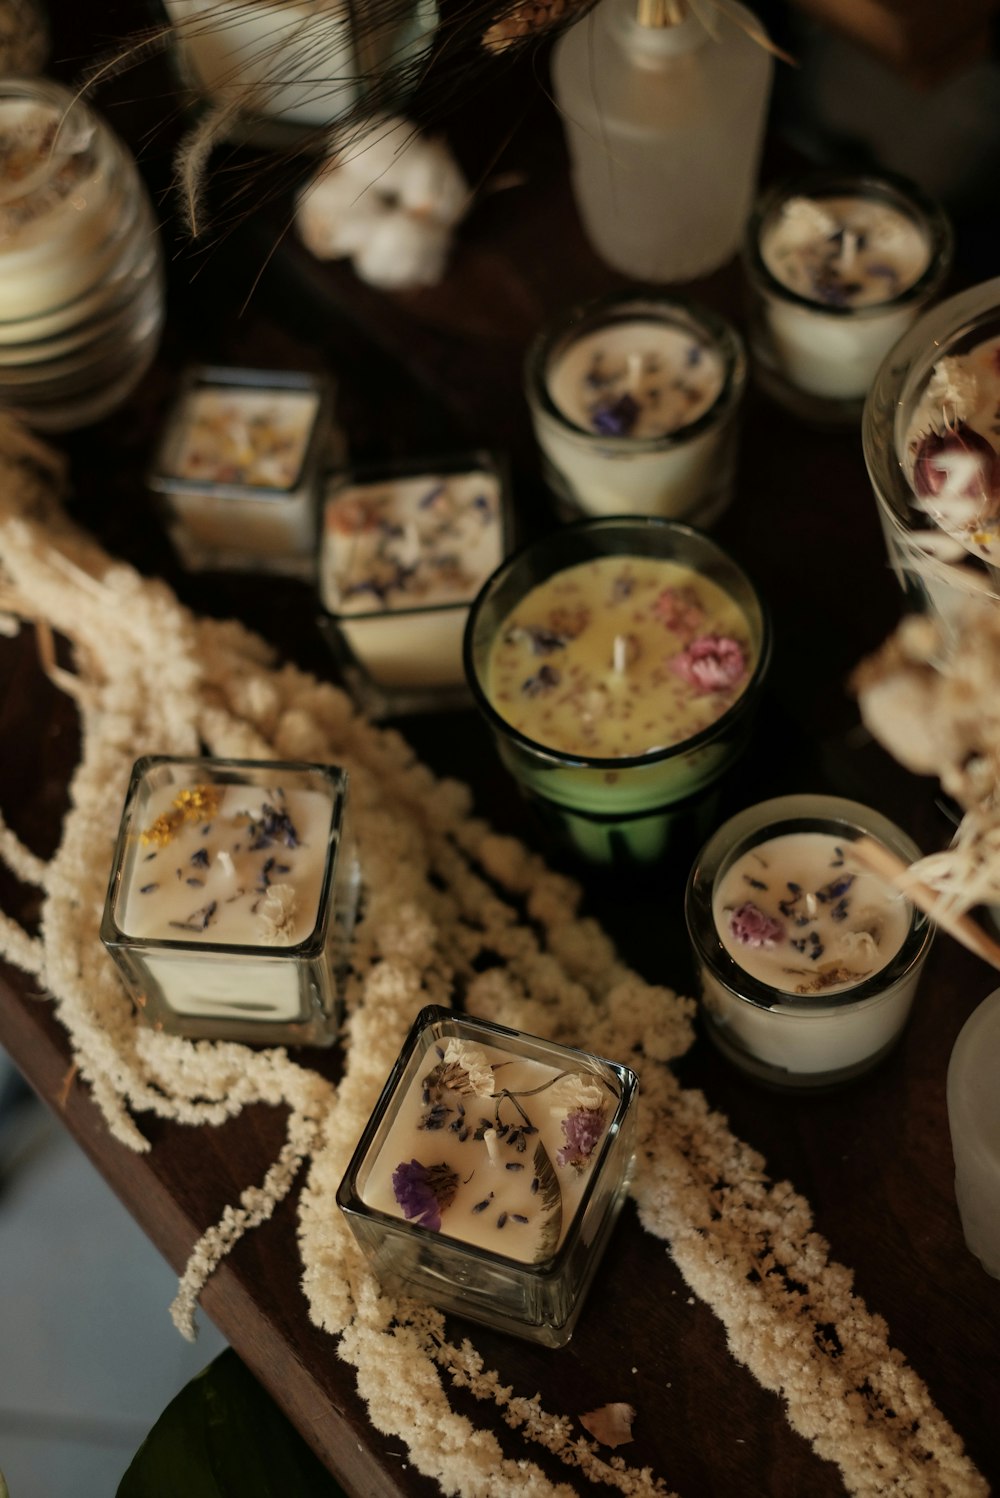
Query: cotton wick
{"x": 848, "y": 248}
{"x": 619, "y": 658}
{"x": 492, "y": 1145}
{"x": 633, "y": 373}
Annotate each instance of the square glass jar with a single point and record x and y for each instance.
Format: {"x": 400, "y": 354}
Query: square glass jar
{"x": 232, "y": 898}
{"x": 404, "y": 549}
{"x": 239, "y": 468}
{"x": 537, "y": 1216}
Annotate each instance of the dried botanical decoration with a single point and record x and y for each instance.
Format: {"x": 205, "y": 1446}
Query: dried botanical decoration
{"x": 611, "y": 1424}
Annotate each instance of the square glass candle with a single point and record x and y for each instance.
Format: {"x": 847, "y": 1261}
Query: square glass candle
{"x": 232, "y": 898}
{"x": 404, "y": 549}
{"x": 838, "y": 266}
{"x": 239, "y": 468}
{"x": 618, "y": 664}
{"x": 634, "y": 400}
{"x": 808, "y": 961}
{"x": 492, "y": 1172}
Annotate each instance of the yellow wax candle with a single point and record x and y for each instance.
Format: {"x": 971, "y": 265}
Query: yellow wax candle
{"x": 619, "y": 656}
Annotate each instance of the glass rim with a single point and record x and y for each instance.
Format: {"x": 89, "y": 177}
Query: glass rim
{"x": 614, "y": 307}
{"x": 349, "y": 1198}
{"x": 803, "y": 812}
{"x": 888, "y": 187}
{"x": 705, "y": 736}
{"x": 311, "y": 946}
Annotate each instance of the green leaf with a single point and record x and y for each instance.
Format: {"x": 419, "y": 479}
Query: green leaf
{"x": 223, "y": 1436}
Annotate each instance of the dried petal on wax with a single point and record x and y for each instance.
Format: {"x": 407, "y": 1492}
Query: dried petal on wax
{"x": 611, "y": 1424}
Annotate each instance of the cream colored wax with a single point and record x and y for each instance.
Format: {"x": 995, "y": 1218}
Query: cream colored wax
{"x": 619, "y": 656}
{"x": 513, "y": 1170}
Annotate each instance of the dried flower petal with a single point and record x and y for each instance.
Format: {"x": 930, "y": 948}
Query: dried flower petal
{"x": 583, "y": 1129}
{"x": 467, "y": 1069}
{"x": 958, "y": 462}
{"x": 752, "y": 927}
{"x": 713, "y": 663}
{"x": 424, "y": 1191}
{"x": 679, "y": 609}
{"x": 611, "y": 1424}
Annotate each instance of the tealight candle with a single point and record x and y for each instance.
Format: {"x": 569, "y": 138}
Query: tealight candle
{"x": 839, "y": 267}
{"x": 238, "y": 468}
{"x": 933, "y": 452}
{"x": 492, "y": 1172}
{"x": 808, "y": 962}
{"x": 232, "y": 897}
{"x": 404, "y": 550}
{"x": 618, "y": 663}
{"x": 634, "y": 400}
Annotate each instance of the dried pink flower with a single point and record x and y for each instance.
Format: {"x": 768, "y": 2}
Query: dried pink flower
{"x": 679, "y": 609}
{"x": 713, "y": 663}
{"x": 583, "y": 1129}
{"x": 753, "y": 927}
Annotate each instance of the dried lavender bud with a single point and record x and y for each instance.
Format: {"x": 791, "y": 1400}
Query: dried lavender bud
{"x": 616, "y": 418}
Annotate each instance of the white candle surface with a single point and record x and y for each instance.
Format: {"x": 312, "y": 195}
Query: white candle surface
{"x": 857, "y": 255}
{"x": 506, "y": 1174}
{"x": 401, "y": 560}
{"x": 226, "y": 866}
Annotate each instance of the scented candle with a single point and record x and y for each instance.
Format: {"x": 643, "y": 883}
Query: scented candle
{"x": 232, "y": 896}
{"x": 618, "y": 663}
{"x": 838, "y": 267}
{"x": 238, "y": 468}
{"x": 404, "y": 551}
{"x": 808, "y": 961}
{"x": 932, "y": 447}
{"x": 634, "y": 401}
{"x": 974, "y": 1123}
{"x": 491, "y": 1173}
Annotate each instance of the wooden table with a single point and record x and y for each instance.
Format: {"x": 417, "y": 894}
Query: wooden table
{"x": 429, "y": 372}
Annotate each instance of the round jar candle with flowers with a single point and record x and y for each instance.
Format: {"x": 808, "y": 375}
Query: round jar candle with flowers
{"x": 618, "y": 663}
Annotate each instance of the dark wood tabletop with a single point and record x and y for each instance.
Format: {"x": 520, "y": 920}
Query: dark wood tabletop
{"x": 431, "y": 372}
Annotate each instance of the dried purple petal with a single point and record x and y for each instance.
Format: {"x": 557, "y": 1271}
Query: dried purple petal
{"x": 616, "y": 418}
{"x": 544, "y": 679}
{"x": 424, "y": 1191}
{"x": 753, "y": 927}
{"x": 583, "y": 1129}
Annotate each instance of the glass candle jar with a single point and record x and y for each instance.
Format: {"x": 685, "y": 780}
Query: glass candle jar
{"x": 492, "y": 1172}
{"x": 808, "y": 962}
{"x": 838, "y": 266}
{"x": 654, "y": 644}
{"x": 931, "y": 448}
{"x": 81, "y": 275}
{"x": 239, "y": 468}
{"x": 404, "y": 549}
{"x": 974, "y": 1121}
{"x": 232, "y": 898}
{"x": 634, "y": 400}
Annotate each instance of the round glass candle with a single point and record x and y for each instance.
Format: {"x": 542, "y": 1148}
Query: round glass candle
{"x": 974, "y": 1121}
{"x": 634, "y": 400}
{"x": 81, "y": 278}
{"x": 620, "y": 699}
{"x": 931, "y": 447}
{"x": 838, "y": 267}
{"x": 808, "y": 962}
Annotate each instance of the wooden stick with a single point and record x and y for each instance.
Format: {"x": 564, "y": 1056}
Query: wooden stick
{"x": 890, "y": 867}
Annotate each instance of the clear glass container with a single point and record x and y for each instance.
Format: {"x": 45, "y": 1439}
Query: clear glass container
{"x": 627, "y": 809}
{"x": 664, "y": 122}
{"x": 240, "y": 465}
{"x": 816, "y": 351}
{"x": 934, "y": 575}
{"x": 493, "y": 1204}
{"x": 791, "y": 1039}
{"x": 81, "y": 272}
{"x": 974, "y": 1122}
{"x": 585, "y": 369}
{"x": 232, "y": 898}
{"x": 404, "y": 549}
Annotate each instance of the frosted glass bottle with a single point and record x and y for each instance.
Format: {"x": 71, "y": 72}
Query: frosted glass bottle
{"x": 664, "y": 123}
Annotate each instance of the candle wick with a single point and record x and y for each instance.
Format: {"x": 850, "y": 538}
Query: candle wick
{"x": 634, "y": 373}
{"x": 492, "y": 1145}
{"x": 848, "y": 248}
{"x": 620, "y": 655}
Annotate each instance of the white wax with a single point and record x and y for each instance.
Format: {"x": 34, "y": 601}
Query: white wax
{"x": 256, "y": 439}
{"x": 853, "y": 253}
{"x": 247, "y": 871}
{"x": 497, "y": 1205}
{"x": 400, "y": 563}
{"x": 796, "y": 914}
{"x": 641, "y": 379}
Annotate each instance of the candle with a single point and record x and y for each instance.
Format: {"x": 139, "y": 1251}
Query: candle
{"x": 808, "y": 962}
{"x": 491, "y": 1173}
{"x": 974, "y": 1122}
{"x": 839, "y": 267}
{"x": 933, "y": 453}
{"x": 81, "y": 279}
{"x": 634, "y": 401}
{"x": 238, "y": 468}
{"x": 404, "y": 551}
{"x": 302, "y": 63}
{"x": 231, "y": 898}
{"x": 618, "y": 663}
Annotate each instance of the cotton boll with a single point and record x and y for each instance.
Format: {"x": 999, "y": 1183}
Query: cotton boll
{"x": 402, "y": 251}
{"x": 336, "y": 215}
{"x": 421, "y": 174}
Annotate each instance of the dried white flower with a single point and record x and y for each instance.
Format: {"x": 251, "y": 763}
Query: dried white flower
{"x": 577, "y": 1090}
{"x": 275, "y": 915}
{"x": 473, "y": 1062}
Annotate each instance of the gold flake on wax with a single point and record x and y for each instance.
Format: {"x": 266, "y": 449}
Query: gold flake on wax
{"x": 195, "y": 803}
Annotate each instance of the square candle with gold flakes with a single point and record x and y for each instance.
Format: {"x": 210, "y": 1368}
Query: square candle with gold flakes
{"x": 239, "y": 468}
{"x": 232, "y": 898}
{"x": 492, "y": 1172}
